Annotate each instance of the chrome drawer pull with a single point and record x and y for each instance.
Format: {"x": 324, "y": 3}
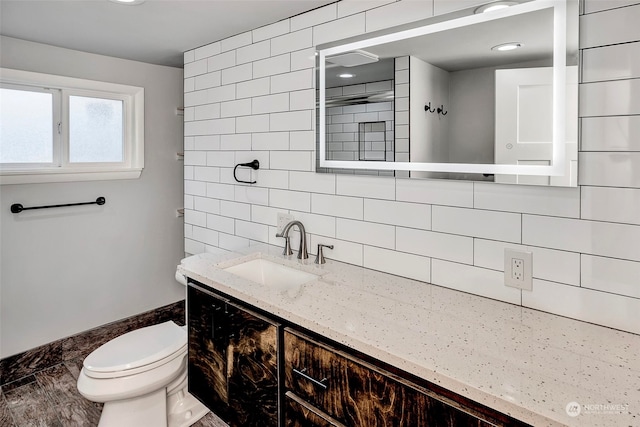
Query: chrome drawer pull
{"x": 320, "y": 383}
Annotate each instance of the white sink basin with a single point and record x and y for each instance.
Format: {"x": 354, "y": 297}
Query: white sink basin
{"x": 271, "y": 274}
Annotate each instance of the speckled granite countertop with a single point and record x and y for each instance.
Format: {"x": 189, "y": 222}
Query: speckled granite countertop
{"x": 522, "y": 362}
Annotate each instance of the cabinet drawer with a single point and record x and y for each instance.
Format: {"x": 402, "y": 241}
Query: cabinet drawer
{"x": 301, "y": 414}
{"x": 314, "y": 373}
{"x": 359, "y": 394}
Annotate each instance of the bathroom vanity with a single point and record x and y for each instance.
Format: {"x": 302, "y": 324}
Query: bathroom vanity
{"x": 354, "y": 347}
{"x": 234, "y": 358}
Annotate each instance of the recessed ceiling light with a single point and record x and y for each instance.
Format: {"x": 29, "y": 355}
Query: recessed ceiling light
{"x": 346, "y": 75}
{"x": 507, "y": 46}
{"x": 128, "y": 2}
{"x": 491, "y": 7}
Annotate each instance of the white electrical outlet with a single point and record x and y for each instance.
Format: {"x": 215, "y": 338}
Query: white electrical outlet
{"x": 283, "y": 219}
{"x": 518, "y": 269}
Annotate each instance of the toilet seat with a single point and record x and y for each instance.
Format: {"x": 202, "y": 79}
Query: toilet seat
{"x": 137, "y": 351}
{"x": 130, "y": 386}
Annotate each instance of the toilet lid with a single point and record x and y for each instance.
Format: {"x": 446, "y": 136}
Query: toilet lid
{"x": 137, "y": 348}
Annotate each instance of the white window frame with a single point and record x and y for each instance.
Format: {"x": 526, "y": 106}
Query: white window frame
{"x": 62, "y": 170}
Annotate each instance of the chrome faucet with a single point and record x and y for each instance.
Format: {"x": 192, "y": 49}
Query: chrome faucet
{"x": 302, "y": 252}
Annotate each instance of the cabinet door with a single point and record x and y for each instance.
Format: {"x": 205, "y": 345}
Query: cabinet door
{"x": 207, "y": 359}
{"x": 252, "y": 369}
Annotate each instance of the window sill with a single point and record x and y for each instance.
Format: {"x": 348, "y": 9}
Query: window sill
{"x": 66, "y": 175}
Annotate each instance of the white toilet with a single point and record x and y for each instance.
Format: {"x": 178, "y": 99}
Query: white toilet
{"x": 141, "y": 378}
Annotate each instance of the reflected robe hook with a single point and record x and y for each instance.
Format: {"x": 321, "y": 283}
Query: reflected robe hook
{"x": 427, "y": 108}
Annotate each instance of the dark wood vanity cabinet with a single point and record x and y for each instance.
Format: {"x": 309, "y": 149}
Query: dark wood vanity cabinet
{"x": 251, "y": 371}
{"x": 232, "y": 360}
{"x": 352, "y": 392}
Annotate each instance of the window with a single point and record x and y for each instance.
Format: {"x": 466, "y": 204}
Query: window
{"x": 55, "y": 128}
{"x": 26, "y": 126}
{"x": 95, "y": 130}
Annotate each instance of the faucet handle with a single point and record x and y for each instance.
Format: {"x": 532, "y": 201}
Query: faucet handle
{"x": 287, "y": 246}
{"x": 320, "y": 256}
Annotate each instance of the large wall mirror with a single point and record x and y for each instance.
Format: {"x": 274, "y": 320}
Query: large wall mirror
{"x": 488, "y": 93}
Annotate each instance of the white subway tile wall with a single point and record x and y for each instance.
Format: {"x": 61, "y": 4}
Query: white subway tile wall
{"x": 251, "y": 97}
{"x": 398, "y": 13}
{"x": 362, "y": 131}
{"x": 401, "y": 118}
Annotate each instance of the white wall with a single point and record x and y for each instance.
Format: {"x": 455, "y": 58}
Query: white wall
{"x": 473, "y": 103}
{"x": 472, "y": 117}
{"x": 429, "y": 86}
{"x": 70, "y": 269}
{"x": 586, "y": 256}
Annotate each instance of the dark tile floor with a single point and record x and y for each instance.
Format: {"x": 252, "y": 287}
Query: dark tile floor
{"x": 80, "y": 345}
{"x": 49, "y": 398}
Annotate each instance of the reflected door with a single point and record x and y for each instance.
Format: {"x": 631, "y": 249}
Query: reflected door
{"x": 524, "y": 132}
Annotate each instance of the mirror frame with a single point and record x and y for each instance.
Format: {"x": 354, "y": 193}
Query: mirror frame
{"x": 436, "y": 24}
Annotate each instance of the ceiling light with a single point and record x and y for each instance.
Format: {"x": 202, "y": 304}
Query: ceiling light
{"x": 346, "y": 75}
{"x": 507, "y": 46}
{"x": 491, "y": 7}
{"x": 128, "y": 2}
